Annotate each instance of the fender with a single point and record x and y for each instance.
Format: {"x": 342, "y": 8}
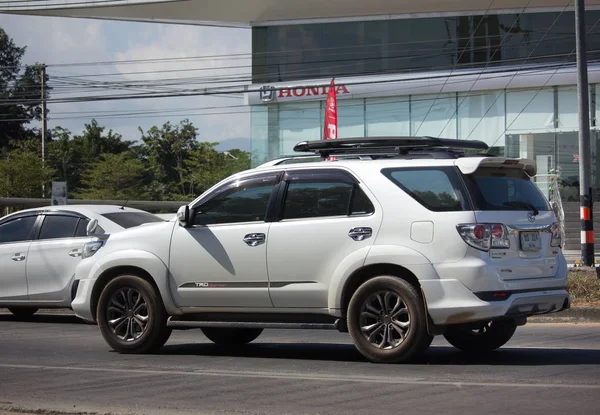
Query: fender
{"x": 402, "y": 256}
{"x": 145, "y": 260}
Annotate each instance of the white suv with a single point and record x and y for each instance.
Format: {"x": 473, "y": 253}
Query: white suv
{"x": 394, "y": 240}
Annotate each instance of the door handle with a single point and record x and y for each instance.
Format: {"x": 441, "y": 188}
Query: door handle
{"x": 254, "y": 239}
{"x": 360, "y": 234}
{"x": 75, "y": 253}
{"x": 18, "y": 257}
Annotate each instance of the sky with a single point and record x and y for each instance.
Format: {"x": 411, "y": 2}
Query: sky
{"x": 59, "y": 41}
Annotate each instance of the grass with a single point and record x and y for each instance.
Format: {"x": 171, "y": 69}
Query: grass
{"x": 584, "y": 286}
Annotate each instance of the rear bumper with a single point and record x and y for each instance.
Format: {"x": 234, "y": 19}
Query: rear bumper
{"x": 450, "y": 302}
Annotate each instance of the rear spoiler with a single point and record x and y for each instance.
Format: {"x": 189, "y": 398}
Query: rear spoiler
{"x": 469, "y": 165}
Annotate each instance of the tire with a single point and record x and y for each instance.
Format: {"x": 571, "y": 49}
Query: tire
{"x": 231, "y": 336}
{"x": 132, "y": 300}
{"x": 23, "y": 312}
{"x": 403, "y": 315}
{"x": 482, "y": 338}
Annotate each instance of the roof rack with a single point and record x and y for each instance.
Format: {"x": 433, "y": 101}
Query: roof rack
{"x": 390, "y": 146}
{"x": 307, "y": 158}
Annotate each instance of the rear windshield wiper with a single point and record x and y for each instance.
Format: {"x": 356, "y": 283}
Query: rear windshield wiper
{"x": 524, "y": 205}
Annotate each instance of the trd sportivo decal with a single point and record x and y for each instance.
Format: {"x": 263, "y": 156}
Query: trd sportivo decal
{"x": 276, "y": 284}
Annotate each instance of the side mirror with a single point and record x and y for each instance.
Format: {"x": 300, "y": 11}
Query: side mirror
{"x": 91, "y": 227}
{"x": 183, "y": 215}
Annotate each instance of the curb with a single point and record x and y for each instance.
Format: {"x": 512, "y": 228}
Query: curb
{"x": 572, "y": 315}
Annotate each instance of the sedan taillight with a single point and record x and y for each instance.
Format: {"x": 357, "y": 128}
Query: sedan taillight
{"x": 484, "y": 236}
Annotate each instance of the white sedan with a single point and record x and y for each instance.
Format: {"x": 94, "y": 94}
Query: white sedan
{"x": 40, "y": 248}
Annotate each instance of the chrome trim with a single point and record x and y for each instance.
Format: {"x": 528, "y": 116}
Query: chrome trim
{"x": 512, "y": 229}
{"x": 360, "y": 234}
{"x": 255, "y": 239}
{"x": 18, "y": 257}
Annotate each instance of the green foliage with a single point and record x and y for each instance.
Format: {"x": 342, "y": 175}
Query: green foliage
{"x": 114, "y": 177}
{"x": 22, "y": 174}
{"x": 166, "y": 151}
{"x": 206, "y": 166}
{"x": 72, "y": 156}
{"x": 20, "y": 88}
{"x": 168, "y": 163}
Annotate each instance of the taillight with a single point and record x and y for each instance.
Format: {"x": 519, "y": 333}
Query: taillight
{"x": 485, "y": 236}
{"x": 499, "y": 236}
{"x": 556, "y": 240}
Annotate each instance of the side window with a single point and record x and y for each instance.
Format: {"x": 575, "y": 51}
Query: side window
{"x": 82, "y": 228}
{"x": 17, "y": 230}
{"x": 58, "y": 227}
{"x": 246, "y": 203}
{"x": 361, "y": 204}
{"x": 324, "y": 198}
{"x": 434, "y": 188}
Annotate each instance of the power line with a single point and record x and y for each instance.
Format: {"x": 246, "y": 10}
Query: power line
{"x": 154, "y": 114}
{"x": 475, "y": 81}
{"x": 247, "y": 55}
{"x": 457, "y": 61}
{"x": 553, "y": 23}
{"x": 532, "y": 98}
{"x": 232, "y": 89}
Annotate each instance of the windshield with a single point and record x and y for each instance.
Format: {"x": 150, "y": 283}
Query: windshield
{"x": 504, "y": 189}
{"x": 131, "y": 219}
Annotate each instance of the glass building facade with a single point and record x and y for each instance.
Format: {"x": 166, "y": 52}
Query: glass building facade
{"x": 310, "y": 51}
{"x": 540, "y": 123}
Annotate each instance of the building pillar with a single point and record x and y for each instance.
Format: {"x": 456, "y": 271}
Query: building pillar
{"x": 526, "y": 146}
{"x": 273, "y": 138}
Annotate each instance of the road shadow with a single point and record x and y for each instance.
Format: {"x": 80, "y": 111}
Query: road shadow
{"x": 44, "y": 318}
{"x": 436, "y": 355}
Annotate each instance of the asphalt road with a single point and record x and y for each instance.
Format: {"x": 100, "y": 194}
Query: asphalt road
{"x": 57, "y": 363}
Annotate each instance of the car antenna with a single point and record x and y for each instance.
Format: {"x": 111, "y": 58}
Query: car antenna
{"x": 125, "y": 204}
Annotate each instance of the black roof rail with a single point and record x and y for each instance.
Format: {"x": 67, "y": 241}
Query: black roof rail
{"x": 390, "y": 146}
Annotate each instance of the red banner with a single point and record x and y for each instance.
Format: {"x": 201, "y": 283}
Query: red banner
{"x": 330, "y": 132}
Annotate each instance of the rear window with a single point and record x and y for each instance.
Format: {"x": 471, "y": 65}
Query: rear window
{"x": 438, "y": 189}
{"x": 504, "y": 189}
{"x": 131, "y": 219}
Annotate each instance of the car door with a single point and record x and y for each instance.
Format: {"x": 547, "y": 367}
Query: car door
{"x": 15, "y": 239}
{"x": 220, "y": 261}
{"x": 53, "y": 256}
{"x": 326, "y": 218}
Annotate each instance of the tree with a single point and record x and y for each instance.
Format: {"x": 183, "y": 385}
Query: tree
{"x": 21, "y": 172}
{"x": 93, "y": 142}
{"x": 206, "y": 166}
{"x": 20, "y": 91}
{"x": 114, "y": 177}
{"x": 166, "y": 151}
{"x": 73, "y": 156}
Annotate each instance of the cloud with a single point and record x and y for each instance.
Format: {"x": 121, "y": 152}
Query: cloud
{"x": 66, "y": 40}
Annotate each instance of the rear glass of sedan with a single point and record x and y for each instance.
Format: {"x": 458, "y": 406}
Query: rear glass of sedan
{"x": 131, "y": 219}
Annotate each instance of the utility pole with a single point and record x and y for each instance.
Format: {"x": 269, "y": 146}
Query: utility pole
{"x": 585, "y": 148}
{"x": 44, "y": 125}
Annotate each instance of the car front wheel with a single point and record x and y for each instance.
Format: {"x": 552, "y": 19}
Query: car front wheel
{"x": 387, "y": 320}
{"x": 131, "y": 315}
{"x": 481, "y": 337}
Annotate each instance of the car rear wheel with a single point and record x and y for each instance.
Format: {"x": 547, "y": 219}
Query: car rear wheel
{"x": 23, "y": 312}
{"x": 231, "y": 336}
{"x": 481, "y": 337}
{"x": 387, "y": 320}
{"x": 131, "y": 315}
